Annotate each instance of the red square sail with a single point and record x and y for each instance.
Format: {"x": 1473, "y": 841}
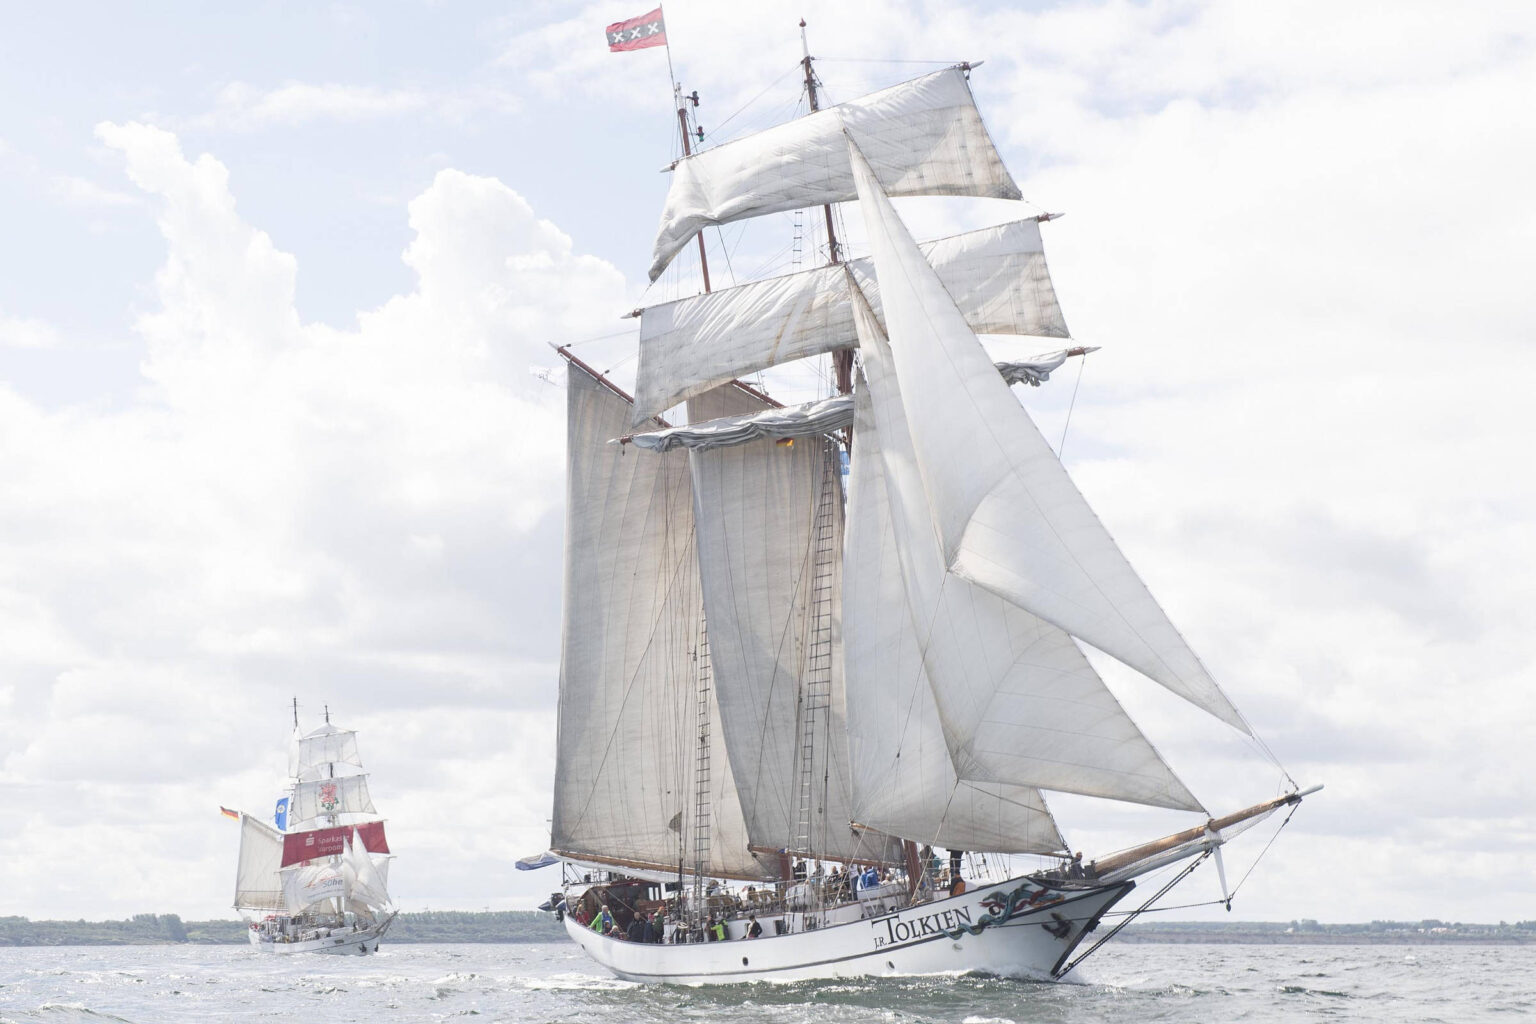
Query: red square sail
{"x": 327, "y": 842}
{"x": 637, "y": 33}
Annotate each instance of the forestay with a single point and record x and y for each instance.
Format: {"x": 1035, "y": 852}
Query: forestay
{"x": 1007, "y": 516}
{"x": 923, "y": 137}
{"x": 1016, "y": 700}
{"x": 624, "y": 777}
{"x": 997, "y": 276}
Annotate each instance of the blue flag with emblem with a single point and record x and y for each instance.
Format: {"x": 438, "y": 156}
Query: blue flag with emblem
{"x": 280, "y": 816}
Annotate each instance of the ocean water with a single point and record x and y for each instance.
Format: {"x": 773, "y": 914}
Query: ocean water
{"x": 1188, "y": 984}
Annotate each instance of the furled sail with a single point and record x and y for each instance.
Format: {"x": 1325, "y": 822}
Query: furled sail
{"x": 1016, "y": 700}
{"x": 997, "y": 276}
{"x": 627, "y": 742}
{"x": 812, "y": 418}
{"x": 346, "y": 794}
{"x": 758, "y": 423}
{"x": 258, "y": 886}
{"x": 312, "y": 753}
{"x": 903, "y": 779}
{"x": 770, "y": 526}
{"x": 924, "y": 137}
{"x": 1007, "y": 516}
{"x": 1038, "y": 370}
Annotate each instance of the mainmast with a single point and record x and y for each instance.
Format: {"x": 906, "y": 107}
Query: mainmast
{"x": 842, "y": 359}
{"x": 682, "y": 125}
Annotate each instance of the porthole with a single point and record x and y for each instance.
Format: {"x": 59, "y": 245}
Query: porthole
{"x": 743, "y": 961}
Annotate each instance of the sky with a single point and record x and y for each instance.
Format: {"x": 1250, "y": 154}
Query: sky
{"x": 277, "y": 293}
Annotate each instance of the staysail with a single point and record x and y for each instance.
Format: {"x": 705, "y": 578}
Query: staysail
{"x": 924, "y": 137}
{"x": 629, "y": 695}
{"x": 1016, "y": 700}
{"x": 903, "y": 778}
{"x": 1008, "y": 517}
{"x": 366, "y": 883}
{"x": 305, "y": 885}
{"x": 997, "y": 277}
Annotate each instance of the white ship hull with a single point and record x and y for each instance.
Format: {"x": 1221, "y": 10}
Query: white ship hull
{"x": 339, "y": 941}
{"x": 973, "y": 932}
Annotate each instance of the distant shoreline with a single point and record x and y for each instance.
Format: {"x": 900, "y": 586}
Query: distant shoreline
{"x": 508, "y": 926}
{"x": 521, "y": 926}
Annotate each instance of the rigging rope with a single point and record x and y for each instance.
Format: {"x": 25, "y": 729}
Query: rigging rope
{"x": 711, "y": 134}
{"x": 1082, "y": 364}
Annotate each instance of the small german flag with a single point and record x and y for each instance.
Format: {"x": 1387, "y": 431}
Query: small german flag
{"x": 229, "y": 813}
{"x": 785, "y": 442}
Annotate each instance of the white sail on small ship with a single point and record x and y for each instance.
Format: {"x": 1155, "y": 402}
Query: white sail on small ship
{"x": 780, "y": 691}
{"x": 316, "y": 879}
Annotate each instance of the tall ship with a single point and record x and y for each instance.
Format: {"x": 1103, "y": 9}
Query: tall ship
{"x": 315, "y": 877}
{"x": 822, "y": 662}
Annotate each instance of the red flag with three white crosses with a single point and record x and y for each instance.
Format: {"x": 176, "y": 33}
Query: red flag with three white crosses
{"x": 637, "y": 33}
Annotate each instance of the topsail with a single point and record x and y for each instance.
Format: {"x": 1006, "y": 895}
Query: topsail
{"x": 1016, "y": 700}
{"x": 924, "y": 138}
{"x": 997, "y": 276}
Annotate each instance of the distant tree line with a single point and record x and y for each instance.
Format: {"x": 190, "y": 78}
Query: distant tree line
{"x": 161, "y": 929}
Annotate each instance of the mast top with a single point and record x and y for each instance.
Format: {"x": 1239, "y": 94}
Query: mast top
{"x": 842, "y": 359}
{"x": 295, "y": 712}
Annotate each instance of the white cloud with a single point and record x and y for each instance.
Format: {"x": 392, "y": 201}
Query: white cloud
{"x": 355, "y": 517}
{"x": 26, "y": 332}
